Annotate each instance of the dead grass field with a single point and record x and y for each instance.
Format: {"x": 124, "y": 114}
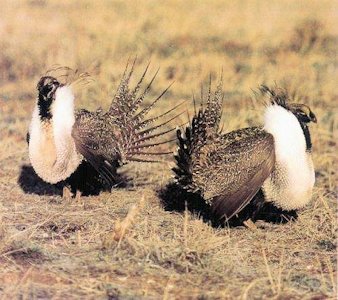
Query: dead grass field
{"x": 124, "y": 245}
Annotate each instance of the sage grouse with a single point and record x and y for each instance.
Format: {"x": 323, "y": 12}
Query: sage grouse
{"x": 63, "y": 140}
{"x": 230, "y": 171}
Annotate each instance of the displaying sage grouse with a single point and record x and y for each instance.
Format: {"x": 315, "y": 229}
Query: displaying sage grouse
{"x": 63, "y": 140}
{"x": 239, "y": 172}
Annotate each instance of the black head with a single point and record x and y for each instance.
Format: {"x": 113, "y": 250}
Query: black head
{"x": 304, "y": 116}
{"x": 280, "y": 97}
{"x": 302, "y": 112}
{"x": 46, "y": 87}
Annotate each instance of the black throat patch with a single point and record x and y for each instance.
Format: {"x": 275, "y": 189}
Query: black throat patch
{"x": 306, "y": 132}
{"x": 45, "y": 107}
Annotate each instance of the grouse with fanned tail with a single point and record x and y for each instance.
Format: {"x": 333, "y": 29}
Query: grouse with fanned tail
{"x": 240, "y": 173}
{"x": 64, "y": 142}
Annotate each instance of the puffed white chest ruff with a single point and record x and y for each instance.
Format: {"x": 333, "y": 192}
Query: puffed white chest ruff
{"x": 52, "y": 149}
{"x": 290, "y": 184}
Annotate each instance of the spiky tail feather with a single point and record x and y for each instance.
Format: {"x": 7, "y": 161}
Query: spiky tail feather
{"x": 204, "y": 126}
{"x": 136, "y": 133}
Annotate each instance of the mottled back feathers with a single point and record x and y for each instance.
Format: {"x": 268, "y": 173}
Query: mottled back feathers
{"x": 227, "y": 170}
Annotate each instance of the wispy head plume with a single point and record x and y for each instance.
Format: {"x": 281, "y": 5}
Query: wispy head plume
{"x": 69, "y": 76}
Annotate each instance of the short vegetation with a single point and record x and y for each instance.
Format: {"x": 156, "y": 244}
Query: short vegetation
{"x": 128, "y": 244}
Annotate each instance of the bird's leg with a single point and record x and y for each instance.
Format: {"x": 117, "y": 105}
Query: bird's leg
{"x": 66, "y": 193}
{"x": 78, "y": 195}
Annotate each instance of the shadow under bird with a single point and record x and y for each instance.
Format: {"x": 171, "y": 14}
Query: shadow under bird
{"x": 239, "y": 173}
{"x": 63, "y": 140}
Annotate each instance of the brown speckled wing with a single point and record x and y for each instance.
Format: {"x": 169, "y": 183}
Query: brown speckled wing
{"x": 233, "y": 168}
{"x": 95, "y": 140}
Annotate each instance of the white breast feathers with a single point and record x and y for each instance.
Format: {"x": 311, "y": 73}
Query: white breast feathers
{"x": 290, "y": 185}
{"x": 52, "y": 150}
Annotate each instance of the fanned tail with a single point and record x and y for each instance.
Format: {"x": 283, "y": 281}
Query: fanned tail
{"x": 137, "y": 134}
{"x": 204, "y": 127}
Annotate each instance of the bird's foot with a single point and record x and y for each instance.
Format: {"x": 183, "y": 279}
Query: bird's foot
{"x": 66, "y": 193}
{"x": 78, "y": 195}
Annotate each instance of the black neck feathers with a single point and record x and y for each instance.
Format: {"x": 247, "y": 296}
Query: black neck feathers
{"x": 306, "y": 132}
{"x": 45, "y": 107}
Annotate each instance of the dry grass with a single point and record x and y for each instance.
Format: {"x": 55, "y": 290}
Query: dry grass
{"x": 124, "y": 244}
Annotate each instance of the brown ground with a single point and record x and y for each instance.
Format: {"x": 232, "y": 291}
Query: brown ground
{"x": 124, "y": 244}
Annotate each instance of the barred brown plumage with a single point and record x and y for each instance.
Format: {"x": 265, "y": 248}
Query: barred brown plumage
{"x": 229, "y": 171}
